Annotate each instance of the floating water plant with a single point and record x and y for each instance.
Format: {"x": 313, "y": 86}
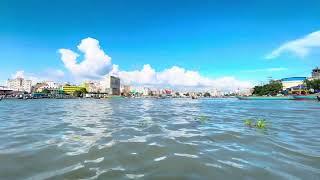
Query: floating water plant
{"x": 248, "y": 122}
{"x": 202, "y": 118}
{"x": 260, "y": 123}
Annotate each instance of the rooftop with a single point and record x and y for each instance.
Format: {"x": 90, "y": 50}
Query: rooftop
{"x": 294, "y": 79}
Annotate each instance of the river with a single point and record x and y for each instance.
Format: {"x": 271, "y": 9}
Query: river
{"x": 158, "y": 139}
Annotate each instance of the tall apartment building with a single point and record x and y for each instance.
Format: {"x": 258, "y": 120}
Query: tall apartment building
{"x": 111, "y": 85}
{"x": 19, "y": 84}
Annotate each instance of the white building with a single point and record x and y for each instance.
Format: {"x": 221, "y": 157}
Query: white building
{"x": 19, "y": 84}
{"x": 110, "y": 85}
{"x": 52, "y": 85}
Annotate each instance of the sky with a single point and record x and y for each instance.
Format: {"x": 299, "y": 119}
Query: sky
{"x": 175, "y": 43}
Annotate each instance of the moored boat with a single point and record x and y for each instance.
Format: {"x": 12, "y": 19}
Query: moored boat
{"x": 265, "y": 97}
{"x": 305, "y": 97}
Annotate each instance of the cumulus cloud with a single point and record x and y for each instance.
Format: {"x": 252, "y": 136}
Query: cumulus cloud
{"x": 23, "y": 74}
{"x": 177, "y": 77}
{"x": 95, "y": 63}
{"x": 300, "y": 47}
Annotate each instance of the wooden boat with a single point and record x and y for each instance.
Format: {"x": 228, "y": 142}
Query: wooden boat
{"x": 305, "y": 97}
{"x": 265, "y": 97}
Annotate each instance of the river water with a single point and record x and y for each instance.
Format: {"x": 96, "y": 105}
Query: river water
{"x": 158, "y": 139}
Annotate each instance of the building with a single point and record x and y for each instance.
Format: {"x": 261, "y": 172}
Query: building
{"x": 292, "y": 82}
{"x": 125, "y": 90}
{"x": 5, "y": 90}
{"x": 52, "y": 85}
{"x": 71, "y": 89}
{"x": 315, "y": 73}
{"x": 92, "y": 87}
{"x": 111, "y": 85}
{"x": 20, "y": 84}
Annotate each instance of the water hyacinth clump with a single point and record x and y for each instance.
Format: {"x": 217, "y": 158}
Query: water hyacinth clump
{"x": 248, "y": 122}
{"x": 202, "y": 118}
{"x": 260, "y": 123}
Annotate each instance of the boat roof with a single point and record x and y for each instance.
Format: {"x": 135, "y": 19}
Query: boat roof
{"x": 294, "y": 79}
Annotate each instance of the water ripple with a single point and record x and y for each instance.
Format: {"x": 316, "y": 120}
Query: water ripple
{"x": 158, "y": 138}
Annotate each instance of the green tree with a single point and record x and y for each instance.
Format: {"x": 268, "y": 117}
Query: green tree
{"x": 207, "y": 94}
{"x": 45, "y": 91}
{"x": 80, "y": 92}
{"x": 83, "y": 90}
{"x": 313, "y": 84}
{"x": 273, "y": 88}
{"x": 77, "y": 93}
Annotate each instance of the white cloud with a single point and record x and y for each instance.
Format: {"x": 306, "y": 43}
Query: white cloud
{"x": 18, "y": 74}
{"x": 28, "y": 76}
{"x": 177, "y": 77}
{"x": 95, "y": 63}
{"x": 300, "y": 47}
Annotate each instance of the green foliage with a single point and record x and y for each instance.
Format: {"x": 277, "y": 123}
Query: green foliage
{"x": 45, "y": 91}
{"x": 207, "y": 94}
{"x": 260, "y": 123}
{"x": 248, "y": 122}
{"x": 202, "y": 118}
{"x": 83, "y": 90}
{"x": 77, "y": 93}
{"x": 312, "y": 84}
{"x": 80, "y": 92}
{"x": 273, "y": 88}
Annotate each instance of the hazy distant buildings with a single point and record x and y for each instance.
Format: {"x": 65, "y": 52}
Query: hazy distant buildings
{"x": 125, "y": 90}
{"x": 19, "y": 84}
{"x": 92, "y": 87}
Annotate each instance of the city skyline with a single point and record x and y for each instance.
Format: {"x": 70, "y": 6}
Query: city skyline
{"x": 166, "y": 43}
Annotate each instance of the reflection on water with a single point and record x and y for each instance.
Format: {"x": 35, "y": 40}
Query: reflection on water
{"x": 158, "y": 139}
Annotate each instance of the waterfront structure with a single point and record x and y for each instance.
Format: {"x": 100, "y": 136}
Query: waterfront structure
{"x": 292, "y": 82}
{"x": 315, "y": 73}
{"x": 71, "y": 89}
{"x": 20, "y": 85}
{"x": 111, "y": 85}
{"x": 5, "y": 90}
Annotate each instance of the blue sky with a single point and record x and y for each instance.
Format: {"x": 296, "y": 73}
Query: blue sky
{"x": 215, "y": 38}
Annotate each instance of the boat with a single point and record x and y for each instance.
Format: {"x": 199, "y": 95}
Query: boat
{"x": 265, "y": 97}
{"x": 305, "y": 97}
